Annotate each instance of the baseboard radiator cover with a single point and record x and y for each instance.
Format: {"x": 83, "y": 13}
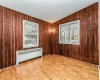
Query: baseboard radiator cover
{"x": 24, "y": 55}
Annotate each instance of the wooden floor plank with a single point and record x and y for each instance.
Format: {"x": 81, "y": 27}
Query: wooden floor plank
{"x": 51, "y": 67}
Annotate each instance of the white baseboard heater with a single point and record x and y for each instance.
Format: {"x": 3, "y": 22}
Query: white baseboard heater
{"x": 24, "y": 55}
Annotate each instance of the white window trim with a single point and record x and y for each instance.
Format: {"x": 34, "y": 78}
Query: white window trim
{"x": 30, "y": 46}
{"x": 60, "y": 42}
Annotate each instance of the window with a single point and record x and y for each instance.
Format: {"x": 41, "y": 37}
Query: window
{"x": 30, "y": 34}
{"x": 69, "y": 33}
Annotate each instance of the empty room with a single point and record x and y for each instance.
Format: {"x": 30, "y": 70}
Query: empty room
{"x": 49, "y": 39}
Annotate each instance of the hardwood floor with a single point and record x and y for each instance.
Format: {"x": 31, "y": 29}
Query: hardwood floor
{"x": 51, "y": 67}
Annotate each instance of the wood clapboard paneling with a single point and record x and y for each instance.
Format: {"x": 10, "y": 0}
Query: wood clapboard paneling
{"x": 88, "y": 48}
{"x": 11, "y": 31}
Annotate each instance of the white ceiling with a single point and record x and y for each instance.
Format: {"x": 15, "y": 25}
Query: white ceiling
{"x": 47, "y": 10}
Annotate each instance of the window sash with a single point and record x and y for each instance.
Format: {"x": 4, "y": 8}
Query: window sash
{"x": 69, "y": 33}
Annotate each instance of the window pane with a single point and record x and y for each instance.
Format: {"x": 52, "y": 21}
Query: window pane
{"x": 71, "y": 35}
{"x": 74, "y": 26}
{"x": 65, "y": 28}
{"x": 74, "y": 32}
{"x": 62, "y": 37}
{"x": 76, "y": 35}
{"x": 67, "y": 35}
{"x": 64, "y": 33}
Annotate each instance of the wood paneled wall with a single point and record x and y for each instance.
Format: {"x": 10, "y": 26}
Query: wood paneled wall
{"x": 11, "y": 40}
{"x": 88, "y": 48}
{"x": 11, "y": 31}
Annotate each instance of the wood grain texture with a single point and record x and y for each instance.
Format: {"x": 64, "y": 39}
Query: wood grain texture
{"x": 11, "y": 35}
{"x": 51, "y": 67}
{"x": 1, "y": 37}
{"x": 11, "y": 39}
{"x": 88, "y": 48}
